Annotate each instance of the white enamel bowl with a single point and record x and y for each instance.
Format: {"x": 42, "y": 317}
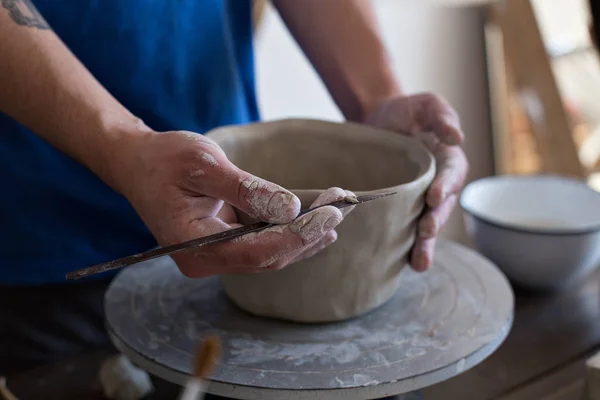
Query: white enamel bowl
{"x": 542, "y": 231}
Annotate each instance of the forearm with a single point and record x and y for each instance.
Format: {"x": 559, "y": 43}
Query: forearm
{"x": 44, "y": 87}
{"x": 342, "y": 41}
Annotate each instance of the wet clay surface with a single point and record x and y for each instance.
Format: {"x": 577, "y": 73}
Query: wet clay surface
{"x": 361, "y": 270}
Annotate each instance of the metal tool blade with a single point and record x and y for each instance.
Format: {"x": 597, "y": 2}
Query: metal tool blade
{"x": 218, "y": 237}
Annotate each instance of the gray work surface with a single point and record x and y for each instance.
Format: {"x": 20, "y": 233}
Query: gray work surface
{"x": 439, "y": 324}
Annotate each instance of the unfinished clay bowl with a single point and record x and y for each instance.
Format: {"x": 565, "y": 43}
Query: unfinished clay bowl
{"x": 361, "y": 270}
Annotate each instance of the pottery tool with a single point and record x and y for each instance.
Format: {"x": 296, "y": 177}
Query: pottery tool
{"x": 206, "y": 358}
{"x": 348, "y": 201}
{"x": 438, "y": 325}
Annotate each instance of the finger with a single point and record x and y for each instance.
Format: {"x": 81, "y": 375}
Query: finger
{"x": 422, "y": 254}
{"x": 413, "y": 115}
{"x": 452, "y": 171}
{"x": 434, "y": 218}
{"x": 315, "y": 234}
{"x": 327, "y": 240}
{"x": 442, "y": 119}
{"x": 257, "y": 251}
{"x": 331, "y": 195}
{"x": 212, "y": 174}
{"x": 196, "y": 229}
{"x": 174, "y": 228}
{"x": 328, "y": 196}
{"x": 263, "y": 199}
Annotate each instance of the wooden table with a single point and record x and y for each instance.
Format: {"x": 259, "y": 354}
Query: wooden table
{"x": 544, "y": 355}
{"x": 542, "y": 358}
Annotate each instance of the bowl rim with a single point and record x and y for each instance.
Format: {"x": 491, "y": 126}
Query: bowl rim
{"x": 426, "y": 173}
{"x": 524, "y": 229}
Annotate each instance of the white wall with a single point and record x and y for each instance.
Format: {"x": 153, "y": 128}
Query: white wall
{"x": 434, "y": 49}
{"x": 564, "y": 23}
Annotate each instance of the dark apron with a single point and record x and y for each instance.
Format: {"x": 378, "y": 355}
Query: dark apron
{"x": 51, "y": 323}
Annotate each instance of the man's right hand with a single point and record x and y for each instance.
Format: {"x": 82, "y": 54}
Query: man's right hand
{"x": 183, "y": 187}
{"x": 176, "y": 181}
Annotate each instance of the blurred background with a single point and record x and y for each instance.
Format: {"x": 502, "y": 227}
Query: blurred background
{"x": 525, "y": 109}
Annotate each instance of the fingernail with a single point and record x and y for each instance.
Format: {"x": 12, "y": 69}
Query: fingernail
{"x": 281, "y": 205}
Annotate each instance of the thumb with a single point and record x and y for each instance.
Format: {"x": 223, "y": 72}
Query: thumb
{"x": 255, "y": 196}
{"x": 262, "y": 199}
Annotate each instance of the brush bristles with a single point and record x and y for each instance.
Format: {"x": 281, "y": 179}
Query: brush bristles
{"x": 207, "y": 357}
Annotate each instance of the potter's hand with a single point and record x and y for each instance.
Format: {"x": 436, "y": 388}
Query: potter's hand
{"x": 183, "y": 187}
{"x": 328, "y": 196}
{"x": 430, "y": 118}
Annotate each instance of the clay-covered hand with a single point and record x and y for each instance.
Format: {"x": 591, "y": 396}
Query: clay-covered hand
{"x": 328, "y": 196}
{"x": 183, "y": 187}
{"x": 433, "y": 120}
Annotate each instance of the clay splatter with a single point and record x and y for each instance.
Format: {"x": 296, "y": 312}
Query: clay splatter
{"x": 375, "y": 348}
{"x": 254, "y": 237}
{"x": 269, "y": 201}
{"x": 415, "y": 352}
{"x": 209, "y": 159}
{"x": 314, "y": 225}
{"x": 351, "y": 199}
{"x": 356, "y": 380}
{"x": 189, "y": 136}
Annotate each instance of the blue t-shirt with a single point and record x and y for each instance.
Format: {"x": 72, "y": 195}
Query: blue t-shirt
{"x": 176, "y": 64}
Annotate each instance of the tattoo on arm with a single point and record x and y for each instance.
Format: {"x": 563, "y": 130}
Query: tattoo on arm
{"x": 23, "y": 12}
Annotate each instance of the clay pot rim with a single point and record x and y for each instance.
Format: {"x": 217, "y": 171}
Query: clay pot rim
{"x": 425, "y": 168}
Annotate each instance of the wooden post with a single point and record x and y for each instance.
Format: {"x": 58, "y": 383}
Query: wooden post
{"x": 499, "y": 99}
{"x": 537, "y": 88}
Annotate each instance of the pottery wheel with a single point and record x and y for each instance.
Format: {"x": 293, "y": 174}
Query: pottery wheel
{"x": 439, "y": 324}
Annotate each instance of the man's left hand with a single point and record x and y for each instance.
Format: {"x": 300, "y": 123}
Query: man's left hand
{"x": 437, "y": 124}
